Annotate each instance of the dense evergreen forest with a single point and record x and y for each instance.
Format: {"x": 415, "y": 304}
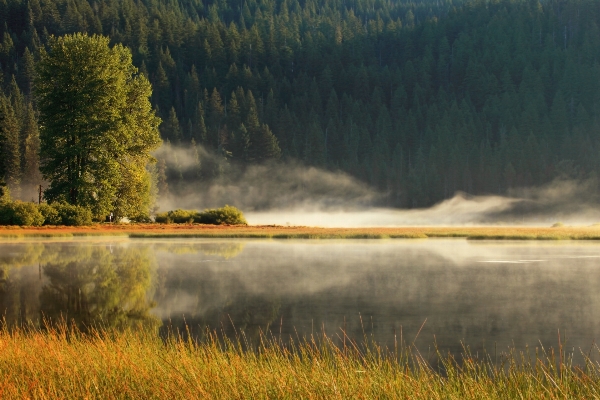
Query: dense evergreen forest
{"x": 419, "y": 98}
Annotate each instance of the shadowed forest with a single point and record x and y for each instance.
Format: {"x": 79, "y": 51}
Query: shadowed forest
{"x": 417, "y": 99}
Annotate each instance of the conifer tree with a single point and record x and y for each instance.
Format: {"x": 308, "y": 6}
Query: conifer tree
{"x": 216, "y": 113}
{"x": 26, "y": 72}
{"x": 171, "y": 129}
{"x": 263, "y": 145}
{"x": 31, "y": 138}
{"x": 11, "y": 147}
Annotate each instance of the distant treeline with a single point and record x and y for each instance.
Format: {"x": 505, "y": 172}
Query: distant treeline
{"x": 417, "y": 98}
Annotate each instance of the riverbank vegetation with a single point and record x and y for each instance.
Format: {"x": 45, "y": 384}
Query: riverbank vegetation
{"x": 29, "y": 214}
{"x": 64, "y": 363}
{"x": 418, "y": 99}
{"x": 227, "y": 215}
{"x": 192, "y": 230}
{"x": 22, "y": 213}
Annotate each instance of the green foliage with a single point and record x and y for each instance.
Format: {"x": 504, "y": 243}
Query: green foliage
{"x": 20, "y": 213}
{"x": 50, "y": 214}
{"x": 31, "y": 214}
{"x": 227, "y": 215}
{"x": 419, "y": 99}
{"x": 99, "y": 161}
{"x": 72, "y": 215}
{"x": 113, "y": 284}
{"x": 4, "y": 193}
{"x": 10, "y": 143}
{"x": 177, "y": 216}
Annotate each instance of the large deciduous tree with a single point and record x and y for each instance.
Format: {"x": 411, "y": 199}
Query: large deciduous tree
{"x": 97, "y": 127}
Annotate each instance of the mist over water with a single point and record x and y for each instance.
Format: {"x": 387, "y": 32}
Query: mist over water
{"x": 485, "y": 295}
{"x": 290, "y": 193}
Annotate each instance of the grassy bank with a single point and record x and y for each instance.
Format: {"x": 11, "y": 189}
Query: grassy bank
{"x": 303, "y": 232}
{"x": 62, "y": 364}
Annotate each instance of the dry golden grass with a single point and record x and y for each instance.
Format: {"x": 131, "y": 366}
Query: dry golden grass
{"x": 138, "y": 365}
{"x": 303, "y": 232}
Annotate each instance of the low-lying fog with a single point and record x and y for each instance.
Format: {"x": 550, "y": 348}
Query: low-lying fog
{"x": 282, "y": 194}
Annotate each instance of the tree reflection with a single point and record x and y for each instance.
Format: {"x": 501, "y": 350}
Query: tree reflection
{"x": 99, "y": 286}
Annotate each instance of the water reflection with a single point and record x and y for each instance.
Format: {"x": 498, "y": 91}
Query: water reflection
{"x": 88, "y": 284}
{"x": 100, "y": 286}
{"x": 482, "y": 294}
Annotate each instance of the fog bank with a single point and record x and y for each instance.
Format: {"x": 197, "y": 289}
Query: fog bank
{"x": 293, "y": 194}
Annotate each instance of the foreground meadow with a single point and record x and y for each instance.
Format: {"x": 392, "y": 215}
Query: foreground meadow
{"x": 62, "y": 363}
{"x": 305, "y": 232}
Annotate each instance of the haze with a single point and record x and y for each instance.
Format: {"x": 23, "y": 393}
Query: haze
{"x": 293, "y": 194}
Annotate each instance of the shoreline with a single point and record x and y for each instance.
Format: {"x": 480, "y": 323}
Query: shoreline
{"x": 303, "y": 232}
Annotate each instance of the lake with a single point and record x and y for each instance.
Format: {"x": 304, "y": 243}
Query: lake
{"x": 489, "y": 295}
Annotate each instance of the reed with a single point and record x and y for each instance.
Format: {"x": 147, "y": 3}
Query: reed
{"x": 62, "y": 362}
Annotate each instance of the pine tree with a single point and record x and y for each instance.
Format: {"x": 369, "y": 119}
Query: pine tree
{"x": 171, "y": 129}
{"x": 314, "y": 148}
{"x": 201, "y": 135}
{"x": 163, "y": 88}
{"x": 26, "y": 72}
{"x": 196, "y": 169}
{"x": 11, "y": 147}
{"x": 263, "y": 145}
{"x": 31, "y": 161}
{"x": 216, "y": 113}
{"x": 234, "y": 114}
{"x": 162, "y": 184}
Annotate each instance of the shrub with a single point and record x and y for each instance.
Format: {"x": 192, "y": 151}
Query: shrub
{"x": 177, "y": 216}
{"x": 20, "y": 213}
{"x": 143, "y": 218}
{"x": 162, "y": 218}
{"x": 4, "y": 193}
{"x": 73, "y": 215}
{"x": 225, "y": 215}
{"x": 50, "y": 214}
{"x": 31, "y": 214}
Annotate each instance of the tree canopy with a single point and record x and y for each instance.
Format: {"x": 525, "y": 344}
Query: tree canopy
{"x": 97, "y": 126}
{"x": 418, "y": 98}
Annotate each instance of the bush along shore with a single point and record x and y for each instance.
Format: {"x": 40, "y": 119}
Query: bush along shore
{"x": 29, "y": 214}
{"x": 227, "y": 215}
{"x": 60, "y": 362}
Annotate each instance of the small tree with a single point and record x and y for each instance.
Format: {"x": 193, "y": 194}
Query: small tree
{"x": 97, "y": 126}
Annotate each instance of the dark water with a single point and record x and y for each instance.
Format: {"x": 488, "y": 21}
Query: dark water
{"x": 485, "y": 295}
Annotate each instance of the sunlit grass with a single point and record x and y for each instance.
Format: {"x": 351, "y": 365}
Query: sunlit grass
{"x": 63, "y": 363}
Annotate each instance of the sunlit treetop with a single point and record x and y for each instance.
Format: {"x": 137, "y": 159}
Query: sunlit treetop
{"x": 97, "y": 126}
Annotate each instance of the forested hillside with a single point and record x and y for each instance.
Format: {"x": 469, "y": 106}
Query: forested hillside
{"x": 419, "y": 99}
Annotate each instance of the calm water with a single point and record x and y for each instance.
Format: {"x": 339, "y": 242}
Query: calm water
{"x": 490, "y": 295}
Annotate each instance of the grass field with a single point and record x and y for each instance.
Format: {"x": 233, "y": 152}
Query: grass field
{"x": 303, "y": 232}
{"x": 139, "y": 365}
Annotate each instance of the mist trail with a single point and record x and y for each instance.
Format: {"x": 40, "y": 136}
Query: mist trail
{"x": 293, "y": 194}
